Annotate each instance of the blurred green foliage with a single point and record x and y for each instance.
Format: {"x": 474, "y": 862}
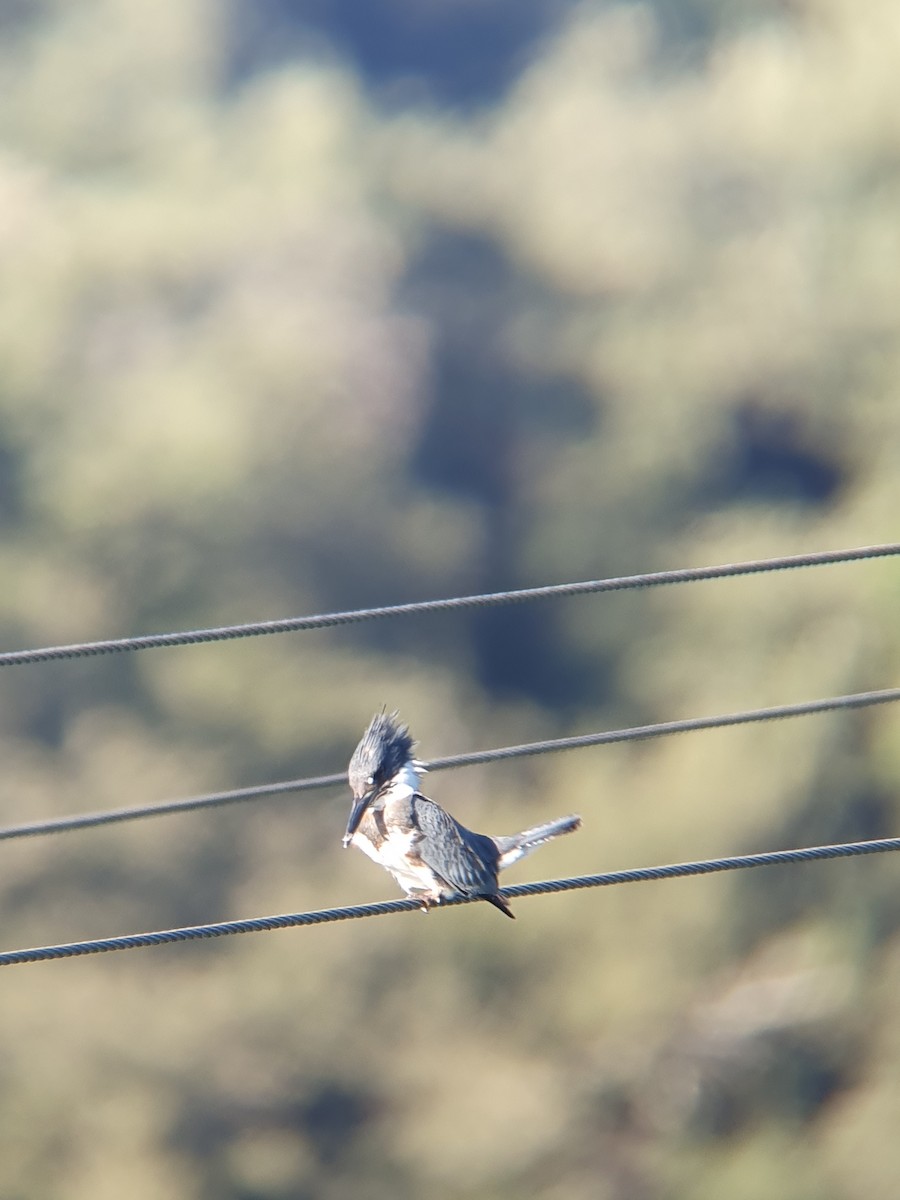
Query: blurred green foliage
{"x": 275, "y": 346}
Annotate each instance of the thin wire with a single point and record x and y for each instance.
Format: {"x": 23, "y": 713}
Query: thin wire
{"x": 137, "y": 812}
{"x": 639, "y": 733}
{"x": 473, "y": 758}
{"x": 517, "y": 891}
{"x": 330, "y": 620}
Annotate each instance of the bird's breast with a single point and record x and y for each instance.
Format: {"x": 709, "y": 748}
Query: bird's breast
{"x": 369, "y": 841}
{"x": 394, "y": 848}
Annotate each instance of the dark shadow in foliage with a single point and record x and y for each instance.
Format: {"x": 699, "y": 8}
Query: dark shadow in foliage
{"x": 11, "y": 509}
{"x": 843, "y": 804}
{"x": 195, "y": 891}
{"x": 463, "y": 55}
{"x": 471, "y": 294}
{"x": 50, "y": 699}
{"x": 20, "y": 18}
{"x": 330, "y": 1118}
{"x": 778, "y": 896}
{"x": 448, "y": 52}
{"x": 771, "y": 454}
{"x": 488, "y": 417}
{"x": 726, "y": 1085}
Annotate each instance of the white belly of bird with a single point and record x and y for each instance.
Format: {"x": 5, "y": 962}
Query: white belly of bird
{"x": 415, "y": 878}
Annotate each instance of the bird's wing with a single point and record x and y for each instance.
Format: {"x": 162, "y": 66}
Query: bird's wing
{"x": 465, "y": 861}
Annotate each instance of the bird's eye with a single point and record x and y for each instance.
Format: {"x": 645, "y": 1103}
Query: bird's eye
{"x": 370, "y": 780}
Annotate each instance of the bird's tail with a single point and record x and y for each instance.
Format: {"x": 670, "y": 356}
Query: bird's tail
{"x": 519, "y": 844}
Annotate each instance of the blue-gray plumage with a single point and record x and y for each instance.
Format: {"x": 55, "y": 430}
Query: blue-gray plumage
{"x": 431, "y": 855}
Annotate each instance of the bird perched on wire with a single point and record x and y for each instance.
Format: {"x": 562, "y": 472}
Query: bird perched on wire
{"x": 431, "y": 855}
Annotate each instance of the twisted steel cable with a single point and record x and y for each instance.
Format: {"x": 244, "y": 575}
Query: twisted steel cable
{"x": 607, "y": 738}
{"x": 326, "y": 916}
{"x": 330, "y": 620}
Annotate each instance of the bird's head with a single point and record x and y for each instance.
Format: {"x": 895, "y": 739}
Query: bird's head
{"x": 383, "y": 754}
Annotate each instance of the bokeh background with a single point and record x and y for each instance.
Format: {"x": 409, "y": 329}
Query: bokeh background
{"x": 307, "y": 306}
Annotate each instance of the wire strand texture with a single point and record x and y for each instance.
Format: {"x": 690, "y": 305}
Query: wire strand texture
{"x": 330, "y": 620}
{"x": 607, "y": 738}
{"x": 389, "y": 907}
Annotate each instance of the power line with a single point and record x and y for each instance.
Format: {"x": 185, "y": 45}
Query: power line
{"x": 639, "y": 733}
{"x": 115, "y": 816}
{"x": 331, "y": 620}
{"x": 517, "y": 891}
{"x": 473, "y": 758}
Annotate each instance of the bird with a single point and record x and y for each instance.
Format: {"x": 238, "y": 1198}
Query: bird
{"x": 431, "y": 855}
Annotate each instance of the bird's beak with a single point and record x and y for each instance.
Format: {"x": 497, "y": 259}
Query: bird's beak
{"x": 357, "y": 812}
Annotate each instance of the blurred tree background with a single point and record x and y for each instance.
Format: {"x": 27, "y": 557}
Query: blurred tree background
{"x": 314, "y": 305}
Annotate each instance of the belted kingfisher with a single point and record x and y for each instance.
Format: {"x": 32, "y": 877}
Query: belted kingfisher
{"x": 431, "y": 855}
